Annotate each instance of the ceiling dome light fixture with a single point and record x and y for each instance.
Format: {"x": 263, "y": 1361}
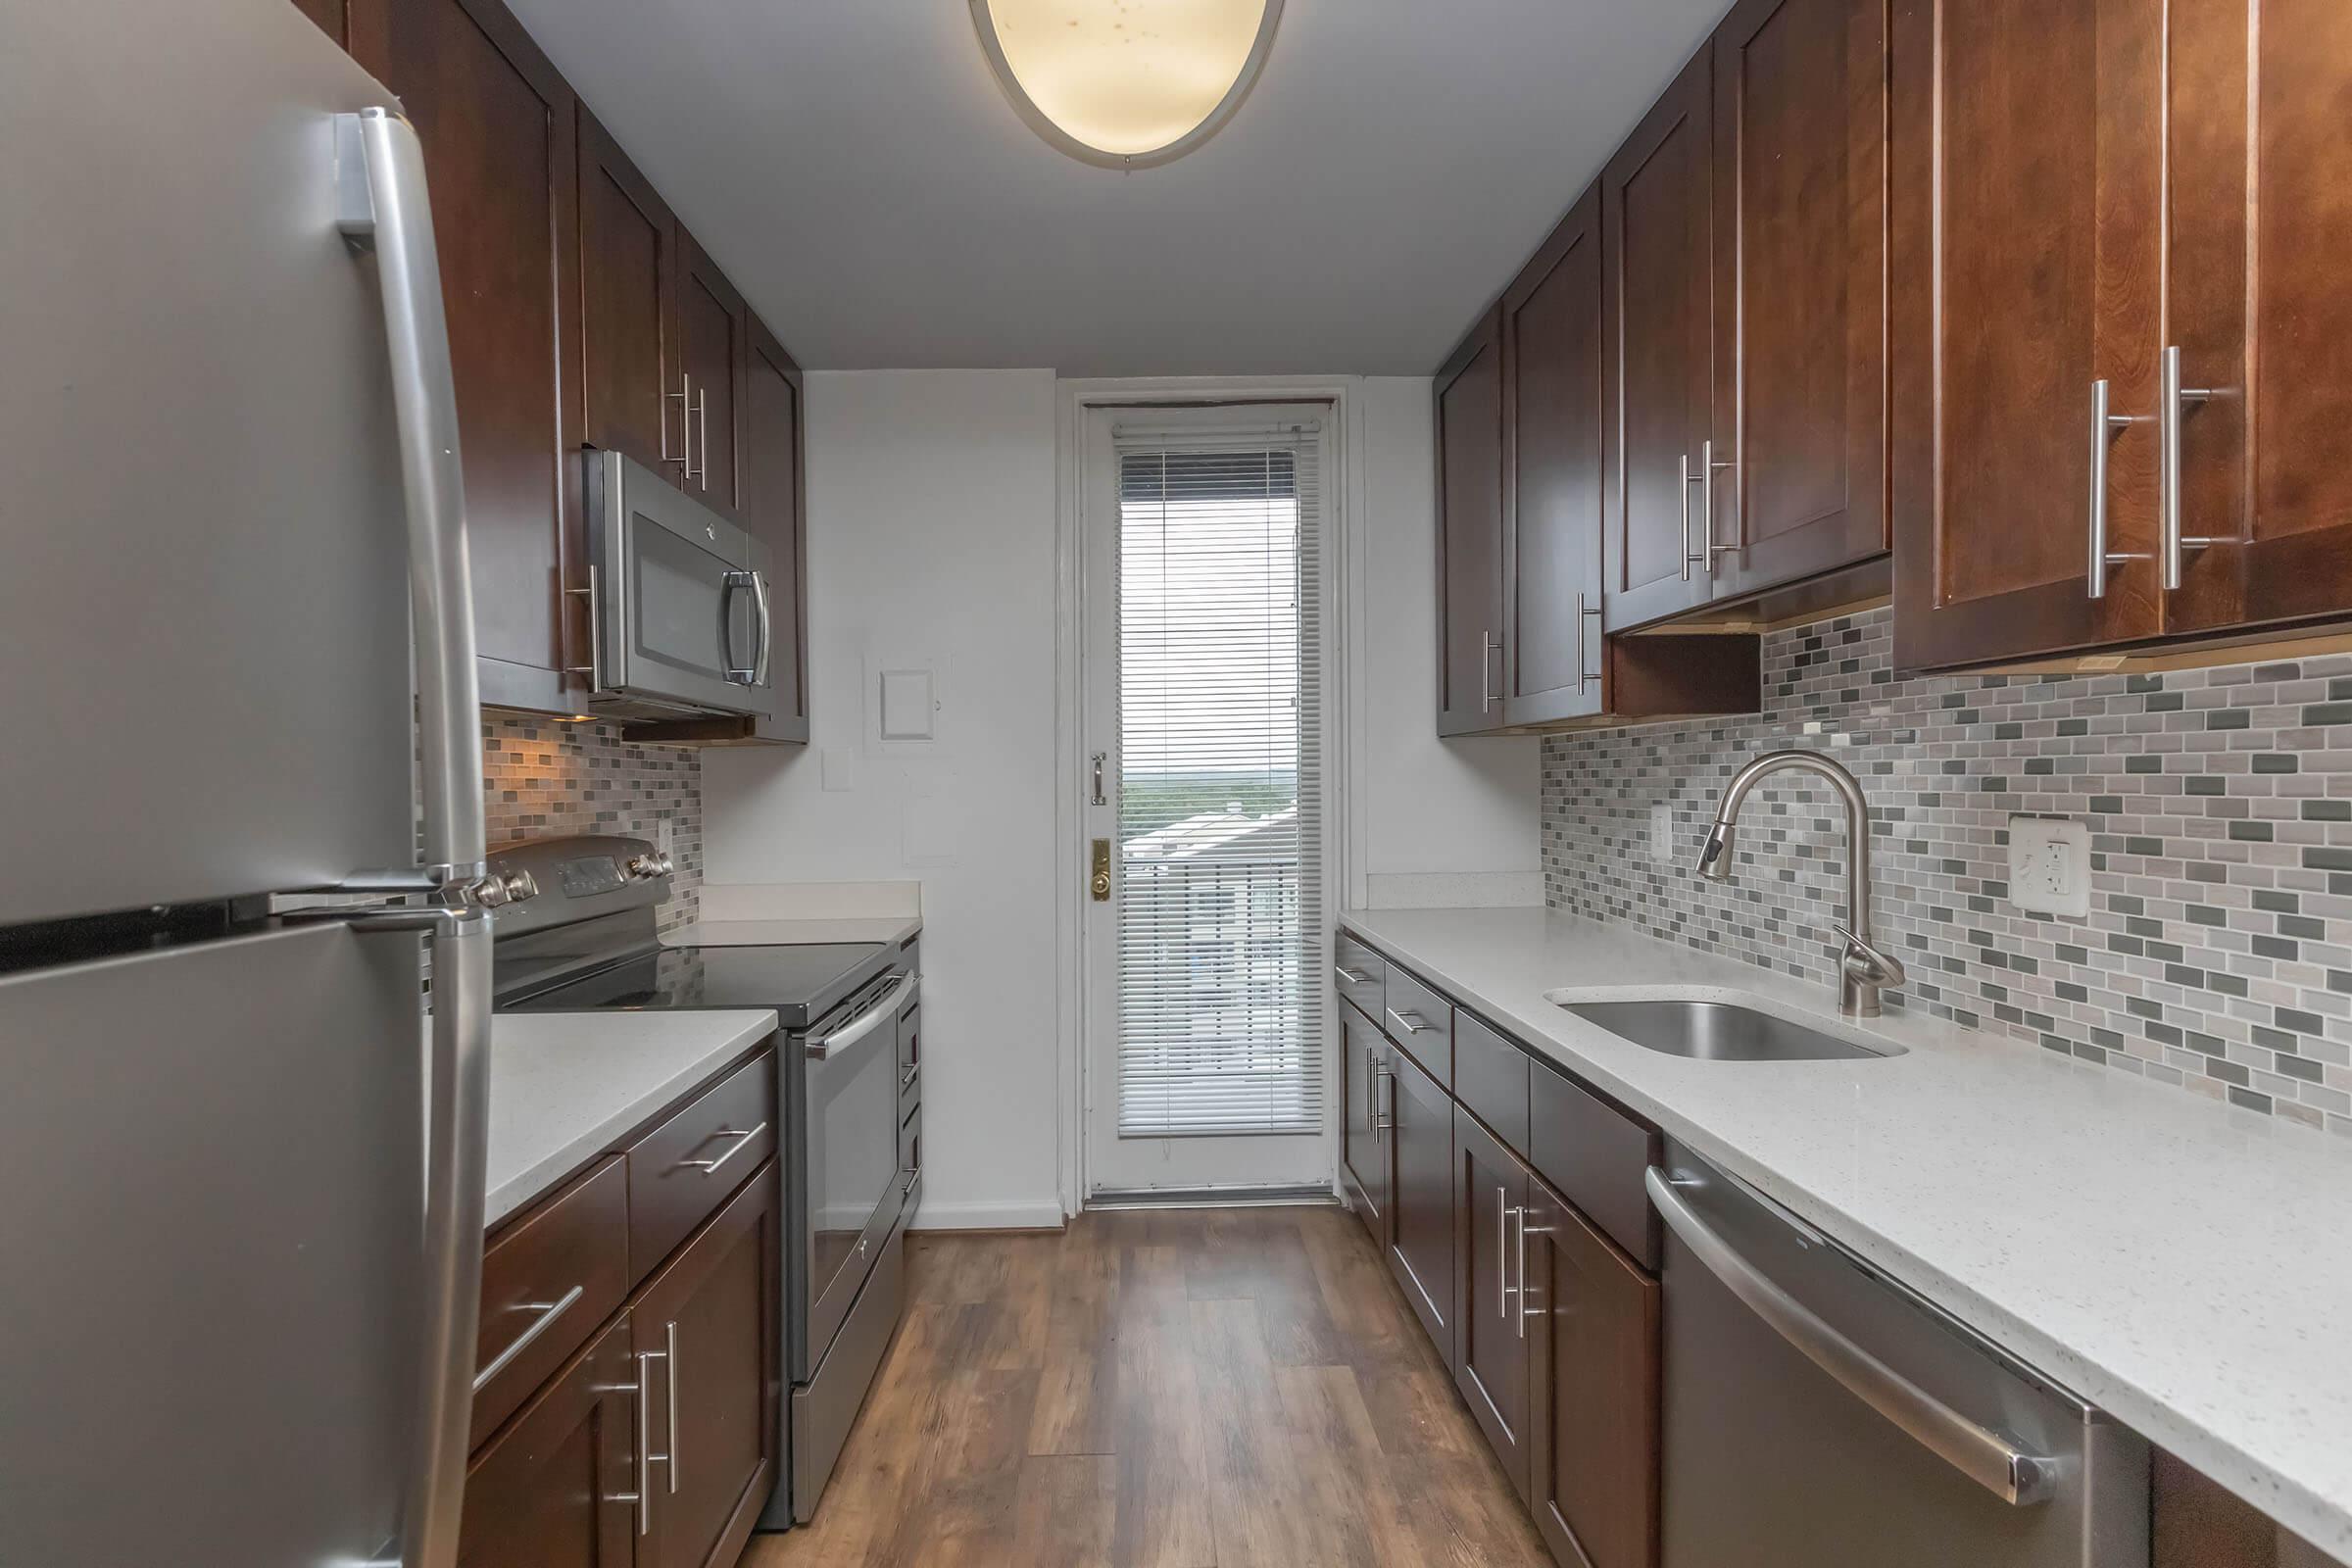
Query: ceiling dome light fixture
{"x": 1126, "y": 83}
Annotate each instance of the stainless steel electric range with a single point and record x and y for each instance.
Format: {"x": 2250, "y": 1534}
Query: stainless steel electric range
{"x": 848, "y": 1082}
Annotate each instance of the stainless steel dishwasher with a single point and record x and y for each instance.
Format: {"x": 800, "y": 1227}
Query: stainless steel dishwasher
{"x": 1821, "y": 1415}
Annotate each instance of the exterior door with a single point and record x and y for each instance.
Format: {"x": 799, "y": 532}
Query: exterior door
{"x": 1363, "y": 1131}
{"x": 709, "y": 336}
{"x": 1554, "y": 490}
{"x": 2025, "y": 178}
{"x": 1469, "y": 446}
{"x": 1656, "y": 227}
{"x": 1593, "y": 1381}
{"x": 499, "y": 128}
{"x": 2258, "y": 223}
{"x": 708, "y": 1327}
{"x": 1800, "y": 322}
{"x": 1490, "y": 1330}
{"x": 219, "y": 1152}
{"x": 1210, "y": 1014}
{"x": 555, "y": 1488}
{"x": 1420, "y": 1232}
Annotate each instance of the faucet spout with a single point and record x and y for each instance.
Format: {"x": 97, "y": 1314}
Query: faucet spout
{"x": 1863, "y": 970}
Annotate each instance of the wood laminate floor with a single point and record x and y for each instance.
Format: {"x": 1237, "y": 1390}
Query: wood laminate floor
{"x": 1178, "y": 1389}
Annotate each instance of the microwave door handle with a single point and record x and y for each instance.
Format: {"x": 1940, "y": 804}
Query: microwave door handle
{"x": 766, "y": 628}
{"x": 741, "y": 676}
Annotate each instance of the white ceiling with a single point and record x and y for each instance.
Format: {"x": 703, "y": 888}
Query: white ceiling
{"x": 854, "y": 167}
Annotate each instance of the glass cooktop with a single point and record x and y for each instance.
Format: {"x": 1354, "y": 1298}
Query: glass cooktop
{"x": 801, "y": 981}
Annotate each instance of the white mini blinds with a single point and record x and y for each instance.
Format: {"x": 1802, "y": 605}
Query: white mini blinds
{"x": 1220, "y": 830}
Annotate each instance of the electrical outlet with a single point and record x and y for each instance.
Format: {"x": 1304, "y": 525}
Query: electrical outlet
{"x": 1661, "y": 832}
{"x": 2049, "y": 866}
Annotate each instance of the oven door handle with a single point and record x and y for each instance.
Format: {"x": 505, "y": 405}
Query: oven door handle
{"x": 885, "y": 1006}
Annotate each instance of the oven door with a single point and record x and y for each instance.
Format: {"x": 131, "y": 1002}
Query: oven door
{"x": 854, "y": 1188}
{"x": 681, "y": 622}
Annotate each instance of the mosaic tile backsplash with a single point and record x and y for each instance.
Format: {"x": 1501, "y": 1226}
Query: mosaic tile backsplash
{"x": 2218, "y": 952}
{"x": 541, "y": 778}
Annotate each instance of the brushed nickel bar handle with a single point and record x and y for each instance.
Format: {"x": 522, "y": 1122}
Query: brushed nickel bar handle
{"x": 743, "y": 1141}
{"x": 1382, "y": 1118}
{"x": 2104, "y": 424}
{"x": 1584, "y": 676}
{"x": 594, "y": 669}
{"x": 548, "y": 1312}
{"x": 647, "y": 1458}
{"x": 2172, "y": 398}
{"x": 1682, "y": 477}
{"x": 1355, "y": 977}
{"x": 702, "y": 419}
{"x": 1986, "y": 1457}
{"x": 1708, "y": 467}
{"x": 1412, "y": 1023}
{"x": 1502, "y": 1248}
{"x": 1488, "y": 645}
{"x": 669, "y": 1383}
{"x": 1524, "y": 1311}
{"x": 685, "y": 396}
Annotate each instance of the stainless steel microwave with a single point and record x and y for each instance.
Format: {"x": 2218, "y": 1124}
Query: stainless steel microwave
{"x": 679, "y": 600}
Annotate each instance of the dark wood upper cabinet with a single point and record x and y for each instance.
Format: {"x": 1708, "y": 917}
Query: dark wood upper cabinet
{"x": 2025, "y": 176}
{"x": 710, "y": 332}
{"x": 629, "y": 279}
{"x": 702, "y": 1327}
{"x": 1420, "y": 1219}
{"x": 774, "y": 503}
{"x": 551, "y": 1491}
{"x": 1490, "y": 1336}
{"x": 1657, "y": 219}
{"x": 1799, "y": 314}
{"x": 497, "y": 121}
{"x": 1554, "y": 490}
{"x": 1469, "y": 449}
{"x": 2257, "y": 224}
{"x": 1592, "y": 1379}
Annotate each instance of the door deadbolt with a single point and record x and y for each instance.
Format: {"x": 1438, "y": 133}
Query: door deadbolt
{"x": 1099, "y": 882}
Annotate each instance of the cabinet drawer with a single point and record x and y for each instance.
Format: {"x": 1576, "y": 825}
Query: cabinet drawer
{"x": 548, "y": 1279}
{"x": 681, "y": 1170}
{"x": 1595, "y": 1154}
{"x": 1491, "y": 1078}
{"x": 1421, "y": 1021}
{"x": 1357, "y": 971}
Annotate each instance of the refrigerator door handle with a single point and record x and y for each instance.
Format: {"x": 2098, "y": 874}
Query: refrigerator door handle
{"x": 382, "y": 207}
{"x": 379, "y": 172}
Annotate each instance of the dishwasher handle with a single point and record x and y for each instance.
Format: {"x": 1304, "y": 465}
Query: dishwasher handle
{"x": 1984, "y": 1456}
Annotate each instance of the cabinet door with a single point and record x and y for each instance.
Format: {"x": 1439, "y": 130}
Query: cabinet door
{"x": 1420, "y": 1233}
{"x": 711, "y": 322}
{"x": 1552, "y": 476}
{"x": 498, "y": 124}
{"x": 708, "y": 1327}
{"x": 772, "y": 508}
{"x": 1363, "y": 1136}
{"x": 2258, "y": 223}
{"x": 553, "y": 1488}
{"x": 1657, "y": 222}
{"x": 1592, "y": 1380}
{"x": 2025, "y": 172}
{"x": 1491, "y": 1332}
{"x": 628, "y": 273}
{"x": 1800, "y": 252}
{"x": 1470, "y": 657}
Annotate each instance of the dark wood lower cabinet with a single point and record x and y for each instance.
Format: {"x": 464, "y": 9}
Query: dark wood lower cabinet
{"x": 1420, "y": 1220}
{"x": 701, "y": 1325}
{"x": 1490, "y": 1335}
{"x": 1593, "y": 1390}
{"x": 1364, "y": 1108}
{"x": 552, "y": 1490}
{"x": 2196, "y": 1524}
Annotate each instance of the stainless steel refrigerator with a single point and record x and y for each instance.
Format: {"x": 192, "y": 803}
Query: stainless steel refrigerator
{"x": 241, "y": 1167}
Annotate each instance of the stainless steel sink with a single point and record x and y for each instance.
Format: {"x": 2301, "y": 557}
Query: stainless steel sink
{"x": 1716, "y": 1031}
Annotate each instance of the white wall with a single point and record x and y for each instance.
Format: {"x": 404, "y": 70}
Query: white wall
{"x": 1431, "y": 821}
{"x": 931, "y": 523}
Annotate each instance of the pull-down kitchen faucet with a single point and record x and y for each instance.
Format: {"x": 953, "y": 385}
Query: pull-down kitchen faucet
{"x": 1862, "y": 969}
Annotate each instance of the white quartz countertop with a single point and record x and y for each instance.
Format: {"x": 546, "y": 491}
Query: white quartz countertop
{"x": 564, "y": 1085}
{"x": 2183, "y": 1266}
{"x": 770, "y": 933}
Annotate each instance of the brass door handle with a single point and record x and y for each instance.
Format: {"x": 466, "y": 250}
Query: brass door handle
{"x": 1099, "y": 883}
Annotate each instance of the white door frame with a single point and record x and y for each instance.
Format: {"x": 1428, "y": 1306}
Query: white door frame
{"x": 1344, "y": 490}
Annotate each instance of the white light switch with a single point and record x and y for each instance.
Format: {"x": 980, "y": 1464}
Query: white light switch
{"x": 2049, "y": 866}
{"x": 1661, "y": 832}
